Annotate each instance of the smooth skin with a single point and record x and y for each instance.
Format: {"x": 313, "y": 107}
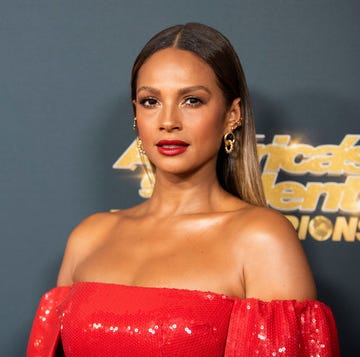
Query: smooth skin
{"x": 191, "y": 234}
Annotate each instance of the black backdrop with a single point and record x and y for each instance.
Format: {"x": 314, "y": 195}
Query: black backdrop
{"x": 66, "y": 118}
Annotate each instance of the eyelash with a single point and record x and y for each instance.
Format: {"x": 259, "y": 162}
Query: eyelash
{"x": 150, "y": 102}
{"x": 196, "y": 104}
{"x": 145, "y": 102}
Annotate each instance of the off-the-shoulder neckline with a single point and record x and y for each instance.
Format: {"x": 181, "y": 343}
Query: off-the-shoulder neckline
{"x": 153, "y": 288}
{"x": 189, "y": 291}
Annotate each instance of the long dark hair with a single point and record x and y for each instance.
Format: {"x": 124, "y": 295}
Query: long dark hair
{"x": 238, "y": 173}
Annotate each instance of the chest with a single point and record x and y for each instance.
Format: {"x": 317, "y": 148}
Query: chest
{"x": 189, "y": 253}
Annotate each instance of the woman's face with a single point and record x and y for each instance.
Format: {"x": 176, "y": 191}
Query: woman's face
{"x": 181, "y": 112}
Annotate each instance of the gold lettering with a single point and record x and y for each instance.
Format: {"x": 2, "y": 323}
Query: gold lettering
{"x": 129, "y": 160}
{"x": 291, "y": 195}
{"x": 296, "y": 159}
{"x": 300, "y": 159}
{"x": 273, "y": 152}
{"x": 285, "y": 196}
{"x": 320, "y": 228}
{"x": 327, "y": 159}
{"x": 331, "y": 191}
{"x": 303, "y": 229}
{"x": 350, "y": 202}
{"x": 352, "y": 154}
{"x": 345, "y": 229}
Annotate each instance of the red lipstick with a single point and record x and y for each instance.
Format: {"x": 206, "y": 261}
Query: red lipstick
{"x": 171, "y": 147}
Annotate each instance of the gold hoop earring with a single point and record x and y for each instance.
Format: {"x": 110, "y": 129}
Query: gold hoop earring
{"x": 140, "y": 146}
{"x": 229, "y": 141}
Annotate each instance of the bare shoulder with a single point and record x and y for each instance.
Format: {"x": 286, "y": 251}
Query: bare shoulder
{"x": 266, "y": 223}
{"x": 83, "y": 240}
{"x": 275, "y": 265}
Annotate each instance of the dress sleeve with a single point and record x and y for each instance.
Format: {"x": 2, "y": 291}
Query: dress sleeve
{"x": 281, "y": 328}
{"x": 45, "y": 331}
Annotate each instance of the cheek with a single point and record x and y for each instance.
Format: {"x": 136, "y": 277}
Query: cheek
{"x": 213, "y": 138}
{"x": 144, "y": 133}
{"x": 212, "y": 125}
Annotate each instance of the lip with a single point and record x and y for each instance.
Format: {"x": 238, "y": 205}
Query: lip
{"x": 172, "y": 147}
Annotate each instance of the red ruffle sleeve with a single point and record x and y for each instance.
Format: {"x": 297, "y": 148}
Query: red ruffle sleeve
{"x": 45, "y": 331}
{"x": 281, "y": 328}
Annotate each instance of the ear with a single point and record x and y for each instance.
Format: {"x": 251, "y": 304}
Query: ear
{"x": 233, "y": 115}
{"x": 134, "y": 105}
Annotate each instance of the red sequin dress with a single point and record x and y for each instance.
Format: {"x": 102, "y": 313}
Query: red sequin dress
{"x": 109, "y": 320}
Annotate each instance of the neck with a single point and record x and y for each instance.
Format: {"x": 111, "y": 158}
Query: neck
{"x": 174, "y": 195}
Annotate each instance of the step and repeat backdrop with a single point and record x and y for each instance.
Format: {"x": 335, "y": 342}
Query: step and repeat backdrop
{"x": 68, "y": 146}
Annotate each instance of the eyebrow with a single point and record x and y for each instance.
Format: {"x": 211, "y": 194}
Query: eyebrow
{"x": 181, "y": 91}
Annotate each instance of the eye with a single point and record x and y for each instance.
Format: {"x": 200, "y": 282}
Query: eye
{"x": 193, "y": 101}
{"x": 148, "y": 102}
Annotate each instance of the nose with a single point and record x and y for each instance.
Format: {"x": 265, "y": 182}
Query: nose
{"x": 170, "y": 120}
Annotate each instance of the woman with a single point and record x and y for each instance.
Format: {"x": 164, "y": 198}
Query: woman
{"x": 202, "y": 268}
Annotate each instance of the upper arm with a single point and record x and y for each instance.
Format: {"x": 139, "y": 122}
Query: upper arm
{"x": 275, "y": 266}
{"x": 81, "y": 242}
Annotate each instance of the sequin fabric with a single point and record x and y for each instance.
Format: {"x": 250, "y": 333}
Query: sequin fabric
{"x": 99, "y": 319}
{"x": 117, "y": 320}
{"x": 44, "y": 334}
{"x": 281, "y": 328}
